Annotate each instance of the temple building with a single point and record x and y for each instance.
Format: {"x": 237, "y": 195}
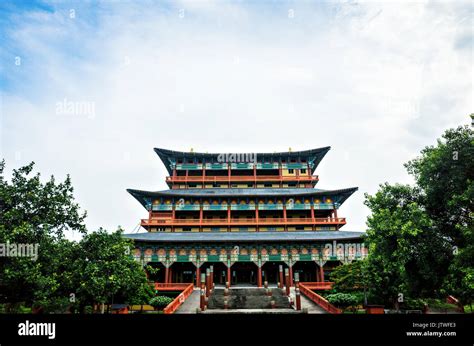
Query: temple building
{"x": 247, "y": 216}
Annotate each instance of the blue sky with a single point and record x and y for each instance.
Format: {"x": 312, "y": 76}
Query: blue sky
{"x": 377, "y": 81}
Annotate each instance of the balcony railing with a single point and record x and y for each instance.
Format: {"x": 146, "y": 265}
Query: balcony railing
{"x": 236, "y": 178}
{"x": 261, "y": 206}
{"x": 241, "y": 165}
{"x": 243, "y": 221}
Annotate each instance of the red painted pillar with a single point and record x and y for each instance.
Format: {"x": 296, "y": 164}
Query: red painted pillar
{"x": 297, "y": 292}
{"x": 208, "y": 282}
{"x": 166, "y": 274}
{"x": 170, "y": 275}
{"x": 228, "y": 275}
{"x": 287, "y": 282}
{"x": 200, "y": 215}
{"x": 203, "y": 292}
{"x": 291, "y": 275}
{"x": 211, "y": 277}
{"x": 259, "y": 277}
{"x": 280, "y": 269}
{"x": 321, "y": 273}
{"x": 256, "y": 215}
{"x": 198, "y": 275}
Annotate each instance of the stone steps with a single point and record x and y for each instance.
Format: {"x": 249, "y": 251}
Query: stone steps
{"x": 248, "y": 298}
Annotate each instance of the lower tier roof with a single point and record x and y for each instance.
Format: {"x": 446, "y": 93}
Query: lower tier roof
{"x": 244, "y": 236}
{"x": 341, "y": 194}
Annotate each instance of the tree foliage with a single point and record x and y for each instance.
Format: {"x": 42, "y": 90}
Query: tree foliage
{"x": 98, "y": 269}
{"x": 421, "y": 238}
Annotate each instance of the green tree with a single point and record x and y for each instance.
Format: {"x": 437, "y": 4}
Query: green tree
{"x": 406, "y": 256}
{"x": 445, "y": 174}
{"x": 420, "y": 238}
{"x": 349, "y": 277}
{"x": 38, "y": 213}
{"x": 106, "y": 272}
{"x": 97, "y": 269}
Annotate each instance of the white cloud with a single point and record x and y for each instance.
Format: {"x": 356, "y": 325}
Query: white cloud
{"x": 376, "y": 81}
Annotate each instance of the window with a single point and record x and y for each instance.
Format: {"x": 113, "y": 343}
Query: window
{"x": 291, "y": 171}
{"x": 303, "y": 171}
{"x": 249, "y": 185}
{"x": 192, "y": 185}
{"x": 186, "y": 229}
{"x": 267, "y": 185}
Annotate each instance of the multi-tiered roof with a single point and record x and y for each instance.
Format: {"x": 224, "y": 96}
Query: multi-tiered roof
{"x": 260, "y": 192}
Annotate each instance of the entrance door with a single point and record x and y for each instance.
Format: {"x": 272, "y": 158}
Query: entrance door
{"x": 244, "y": 273}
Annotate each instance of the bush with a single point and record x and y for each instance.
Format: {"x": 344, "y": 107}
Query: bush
{"x": 441, "y": 305}
{"x": 413, "y": 304}
{"x": 56, "y": 306}
{"x": 343, "y": 300}
{"x": 160, "y": 302}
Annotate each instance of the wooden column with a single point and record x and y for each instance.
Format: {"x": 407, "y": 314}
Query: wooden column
{"x": 198, "y": 275}
{"x": 255, "y": 174}
{"x": 335, "y": 216}
{"x": 297, "y": 292}
{"x": 229, "y": 278}
{"x": 321, "y": 273}
{"x": 203, "y": 292}
{"x": 170, "y": 275}
{"x": 256, "y": 216}
{"x": 211, "y": 277}
{"x": 166, "y": 274}
{"x": 259, "y": 276}
{"x": 201, "y": 215}
{"x": 291, "y": 275}
{"x": 203, "y": 175}
{"x": 208, "y": 286}
{"x": 280, "y": 269}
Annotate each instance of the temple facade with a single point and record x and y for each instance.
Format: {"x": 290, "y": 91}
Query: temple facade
{"x": 246, "y": 216}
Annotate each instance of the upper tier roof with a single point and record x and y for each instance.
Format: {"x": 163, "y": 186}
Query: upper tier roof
{"x": 313, "y": 155}
{"x": 341, "y": 194}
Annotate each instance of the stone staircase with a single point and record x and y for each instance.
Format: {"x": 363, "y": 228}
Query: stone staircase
{"x": 248, "y": 298}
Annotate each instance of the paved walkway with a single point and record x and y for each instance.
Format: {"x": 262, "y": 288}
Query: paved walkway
{"x": 308, "y": 304}
{"x": 191, "y": 304}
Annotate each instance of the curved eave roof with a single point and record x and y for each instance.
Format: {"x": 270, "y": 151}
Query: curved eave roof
{"x": 168, "y": 156}
{"x": 244, "y": 236}
{"x": 339, "y": 195}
